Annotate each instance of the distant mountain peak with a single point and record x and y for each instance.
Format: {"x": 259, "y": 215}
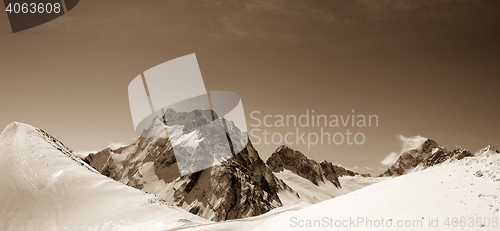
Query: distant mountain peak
{"x": 427, "y": 155}
{"x": 287, "y": 158}
{"x": 488, "y": 150}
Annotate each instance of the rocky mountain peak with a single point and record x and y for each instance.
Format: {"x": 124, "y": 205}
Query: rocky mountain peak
{"x": 459, "y": 152}
{"x": 190, "y": 120}
{"x": 282, "y": 147}
{"x": 286, "y": 158}
{"x": 427, "y": 155}
{"x": 428, "y": 145}
{"x": 237, "y": 187}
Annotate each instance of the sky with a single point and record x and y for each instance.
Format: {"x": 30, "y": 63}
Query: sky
{"x": 427, "y": 68}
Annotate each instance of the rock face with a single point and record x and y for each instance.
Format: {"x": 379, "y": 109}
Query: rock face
{"x": 293, "y": 160}
{"x": 242, "y": 186}
{"x": 427, "y": 155}
{"x": 287, "y": 158}
{"x": 98, "y": 160}
{"x": 440, "y": 155}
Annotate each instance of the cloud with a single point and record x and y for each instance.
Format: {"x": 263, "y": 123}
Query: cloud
{"x": 390, "y": 159}
{"x": 407, "y": 143}
{"x": 116, "y": 145}
{"x": 83, "y": 154}
{"x": 112, "y": 145}
{"x": 368, "y": 168}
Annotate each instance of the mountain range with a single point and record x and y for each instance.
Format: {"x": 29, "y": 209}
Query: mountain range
{"x": 430, "y": 154}
{"x": 139, "y": 187}
{"x": 244, "y": 185}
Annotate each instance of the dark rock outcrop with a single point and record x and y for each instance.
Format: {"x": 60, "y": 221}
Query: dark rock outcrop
{"x": 286, "y": 158}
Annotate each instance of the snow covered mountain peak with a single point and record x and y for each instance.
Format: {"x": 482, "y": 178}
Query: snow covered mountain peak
{"x": 44, "y": 186}
{"x": 13, "y": 127}
{"x": 20, "y": 132}
{"x": 487, "y": 151}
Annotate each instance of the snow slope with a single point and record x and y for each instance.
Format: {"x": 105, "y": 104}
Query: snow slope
{"x": 468, "y": 188}
{"x": 43, "y": 186}
{"x": 309, "y": 192}
{"x": 244, "y": 224}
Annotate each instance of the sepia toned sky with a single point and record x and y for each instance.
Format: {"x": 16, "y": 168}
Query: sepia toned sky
{"x": 426, "y": 68}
